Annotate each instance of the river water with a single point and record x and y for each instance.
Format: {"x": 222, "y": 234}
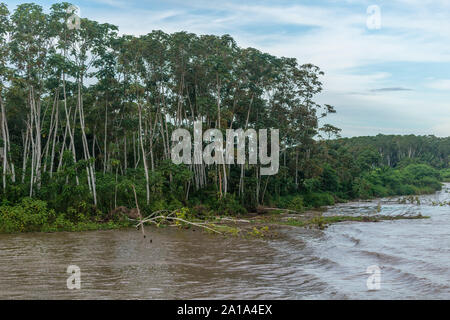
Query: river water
{"x": 413, "y": 257}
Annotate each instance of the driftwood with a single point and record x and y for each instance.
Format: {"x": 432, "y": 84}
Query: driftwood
{"x": 172, "y": 218}
{"x": 169, "y": 218}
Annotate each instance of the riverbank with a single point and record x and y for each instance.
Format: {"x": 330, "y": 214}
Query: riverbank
{"x": 268, "y": 225}
{"x": 34, "y": 216}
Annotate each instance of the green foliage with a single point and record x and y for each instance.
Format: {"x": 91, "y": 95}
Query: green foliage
{"x": 29, "y": 215}
{"x": 201, "y": 211}
{"x": 445, "y": 174}
{"x": 329, "y": 179}
{"x": 316, "y": 199}
{"x": 398, "y": 151}
{"x": 34, "y": 215}
{"x": 283, "y": 201}
{"x": 312, "y": 184}
{"x": 183, "y": 214}
{"x": 258, "y": 232}
{"x": 296, "y": 204}
{"x": 228, "y": 205}
{"x": 409, "y": 180}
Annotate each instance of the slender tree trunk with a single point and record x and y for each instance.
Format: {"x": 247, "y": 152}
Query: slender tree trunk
{"x": 68, "y": 128}
{"x": 147, "y": 185}
{"x": 106, "y": 138}
{"x": 51, "y": 128}
{"x": 90, "y": 169}
{"x": 125, "y": 153}
{"x": 134, "y": 151}
{"x": 264, "y": 191}
{"x": 5, "y": 142}
{"x": 26, "y": 144}
{"x": 35, "y": 109}
{"x": 241, "y": 179}
{"x": 221, "y": 184}
{"x": 296, "y": 167}
{"x": 55, "y": 134}
{"x": 33, "y": 155}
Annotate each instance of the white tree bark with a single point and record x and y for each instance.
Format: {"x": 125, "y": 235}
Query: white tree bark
{"x": 147, "y": 186}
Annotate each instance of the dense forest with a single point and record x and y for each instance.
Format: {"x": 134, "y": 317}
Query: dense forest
{"x": 87, "y": 117}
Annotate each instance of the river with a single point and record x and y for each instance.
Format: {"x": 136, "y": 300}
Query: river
{"x": 413, "y": 257}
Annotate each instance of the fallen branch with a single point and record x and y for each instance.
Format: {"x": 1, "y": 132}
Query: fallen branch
{"x": 152, "y": 219}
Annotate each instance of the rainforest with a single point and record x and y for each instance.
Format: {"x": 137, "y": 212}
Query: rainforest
{"x": 87, "y": 117}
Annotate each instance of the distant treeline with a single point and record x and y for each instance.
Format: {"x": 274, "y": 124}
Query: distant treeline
{"x": 385, "y": 165}
{"x": 396, "y": 150}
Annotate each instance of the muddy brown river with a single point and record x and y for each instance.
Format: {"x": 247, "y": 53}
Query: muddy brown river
{"x": 413, "y": 257}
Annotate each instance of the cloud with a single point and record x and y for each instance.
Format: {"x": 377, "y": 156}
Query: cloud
{"x": 443, "y": 84}
{"x": 394, "y": 89}
{"x": 442, "y": 129}
{"x": 112, "y": 3}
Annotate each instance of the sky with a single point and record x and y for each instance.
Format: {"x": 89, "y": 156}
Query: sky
{"x": 386, "y": 62}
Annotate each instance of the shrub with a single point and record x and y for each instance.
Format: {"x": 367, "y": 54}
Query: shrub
{"x": 445, "y": 174}
{"x": 228, "y": 205}
{"x": 182, "y": 213}
{"x": 28, "y": 215}
{"x": 200, "y": 211}
{"x": 296, "y": 204}
{"x": 380, "y": 191}
{"x": 405, "y": 189}
{"x": 431, "y": 183}
{"x": 316, "y": 199}
{"x": 284, "y": 201}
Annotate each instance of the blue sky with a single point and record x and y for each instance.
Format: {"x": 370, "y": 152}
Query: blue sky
{"x": 392, "y": 80}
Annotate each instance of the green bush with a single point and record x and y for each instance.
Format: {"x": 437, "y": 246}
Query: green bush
{"x": 34, "y": 215}
{"x": 406, "y": 189}
{"x": 296, "y": 204}
{"x": 28, "y": 215}
{"x": 445, "y": 174}
{"x": 362, "y": 188}
{"x": 317, "y": 199}
{"x": 380, "y": 191}
{"x": 283, "y": 201}
{"x": 228, "y": 205}
{"x": 430, "y": 182}
{"x": 200, "y": 211}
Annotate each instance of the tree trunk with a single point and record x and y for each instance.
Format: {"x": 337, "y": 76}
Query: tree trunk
{"x": 147, "y": 186}
{"x": 90, "y": 167}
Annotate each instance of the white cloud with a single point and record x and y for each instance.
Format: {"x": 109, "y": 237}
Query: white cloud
{"x": 442, "y": 129}
{"x": 112, "y": 3}
{"x": 443, "y": 84}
